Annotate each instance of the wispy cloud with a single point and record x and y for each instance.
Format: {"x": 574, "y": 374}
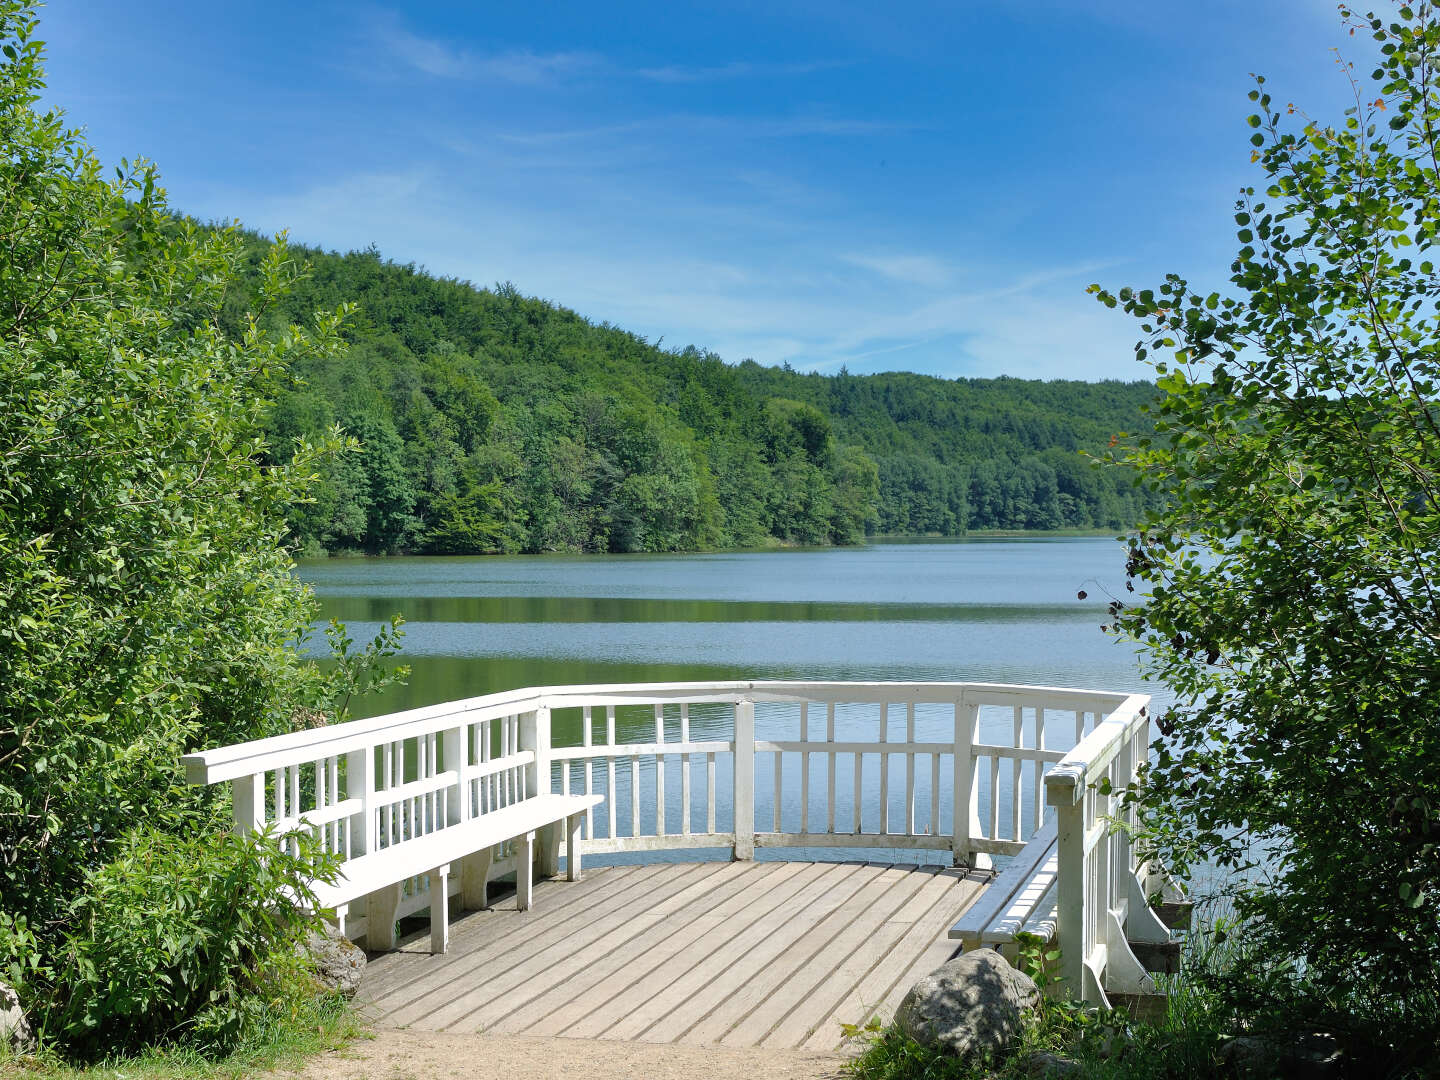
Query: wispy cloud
{"x": 443, "y": 59}
{"x": 925, "y": 270}
{"x": 735, "y": 69}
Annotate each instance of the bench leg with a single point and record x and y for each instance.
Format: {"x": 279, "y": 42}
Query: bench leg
{"x": 341, "y": 911}
{"x": 550, "y": 850}
{"x": 524, "y": 868}
{"x": 474, "y": 879}
{"x": 380, "y": 908}
{"x": 572, "y": 846}
{"x": 440, "y": 909}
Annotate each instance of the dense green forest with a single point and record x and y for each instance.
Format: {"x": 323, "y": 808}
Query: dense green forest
{"x": 489, "y": 421}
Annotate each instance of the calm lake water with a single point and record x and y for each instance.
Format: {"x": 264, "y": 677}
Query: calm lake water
{"x": 1002, "y": 610}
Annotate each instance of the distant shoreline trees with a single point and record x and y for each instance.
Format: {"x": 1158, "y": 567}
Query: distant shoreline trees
{"x": 491, "y": 422}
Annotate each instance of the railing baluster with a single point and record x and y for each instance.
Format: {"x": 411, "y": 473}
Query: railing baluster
{"x": 587, "y": 738}
{"x": 830, "y": 793}
{"x": 859, "y": 770}
{"x": 1016, "y": 773}
{"x": 610, "y": 799}
{"x": 935, "y": 794}
{"x": 1039, "y": 767}
{"x": 910, "y": 770}
{"x": 884, "y": 768}
{"x": 744, "y": 782}
{"x": 710, "y": 794}
{"x": 993, "y": 832}
{"x": 805, "y": 768}
{"x": 685, "y": 764}
{"x": 660, "y": 770}
{"x": 779, "y": 772}
{"x": 634, "y": 795}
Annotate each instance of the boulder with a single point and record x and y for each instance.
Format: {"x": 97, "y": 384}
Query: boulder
{"x": 338, "y": 962}
{"x": 974, "y": 1004}
{"x": 15, "y": 1030}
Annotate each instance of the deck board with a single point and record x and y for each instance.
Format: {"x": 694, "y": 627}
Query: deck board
{"x": 746, "y": 954}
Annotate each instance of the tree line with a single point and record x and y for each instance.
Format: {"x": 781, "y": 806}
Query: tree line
{"x": 492, "y": 422}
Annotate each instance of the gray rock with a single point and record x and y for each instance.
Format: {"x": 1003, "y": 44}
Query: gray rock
{"x": 1302, "y": 1055}
{"x": 1047, "y": 1066}
{"x": 974, "y": 1004}
{"x": 339, "y": 963}
{"x": 15, "y": 1030}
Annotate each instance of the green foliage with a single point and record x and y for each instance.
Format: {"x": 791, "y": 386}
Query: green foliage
{"x": 494, "y": 422}
{"x": 147, "y": 604}
{"x": 1288, "y": 582}
{"x": 169, "y": 943}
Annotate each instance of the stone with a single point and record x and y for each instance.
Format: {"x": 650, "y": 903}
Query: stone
{"x": 1043, "y": 1065}
{"x": 974, "y": 1004}
{"x": 1302, "y": 1055}
{"x": 15, "y": 1031}
{"x": 339, "y": 963}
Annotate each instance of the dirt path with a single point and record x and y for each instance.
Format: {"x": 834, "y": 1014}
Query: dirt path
{"x": 423, "y": 1055}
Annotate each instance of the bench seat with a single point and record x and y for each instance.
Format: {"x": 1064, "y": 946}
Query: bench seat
{"x": 1022, "y": 900}
{"x": 379, "y": 873}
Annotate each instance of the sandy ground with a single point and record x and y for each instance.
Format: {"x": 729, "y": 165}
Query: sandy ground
{"x": 423, "y": 1055}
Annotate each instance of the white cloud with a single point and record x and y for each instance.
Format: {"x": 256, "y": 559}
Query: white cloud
{"x": 926, "y": 270}
{"x": 442, "y": 59}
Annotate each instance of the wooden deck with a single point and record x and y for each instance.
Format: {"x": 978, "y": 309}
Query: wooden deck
{"x": 771, "y": 954}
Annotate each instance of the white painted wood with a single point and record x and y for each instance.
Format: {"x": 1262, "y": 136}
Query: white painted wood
{"x": 659, "y": 770}
{"x": 686, "y": 764}
{"x": 744, "y": 783}
{"x": 966, "y": 824}
{"x": 830, "y": 788}
{"x": 999, "y": 899}
{"x": 426, "y": 772}
{"x": 247, "y": 796}
{"x": 910, "y": 770}
{"x": 804, "y": 768}
{"x": 884, "y": 769}
{"x": 587, "y": 737}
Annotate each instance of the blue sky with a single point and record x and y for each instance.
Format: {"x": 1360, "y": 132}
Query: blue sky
{"x": 917, "y": 186}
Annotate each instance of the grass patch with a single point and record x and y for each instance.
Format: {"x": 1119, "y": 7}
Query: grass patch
{"x": 315, "y": 1026}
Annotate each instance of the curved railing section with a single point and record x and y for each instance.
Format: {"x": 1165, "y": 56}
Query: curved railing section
{"x": 963, "y": 768}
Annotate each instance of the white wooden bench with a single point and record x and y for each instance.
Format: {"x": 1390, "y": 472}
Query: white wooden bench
{"x": 1022, "y": 900}
{"x": 379, "y": 874}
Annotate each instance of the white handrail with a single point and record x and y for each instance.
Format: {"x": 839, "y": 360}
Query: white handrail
{"x": 708, "y": 764}
{"x": 1100, "y": 904}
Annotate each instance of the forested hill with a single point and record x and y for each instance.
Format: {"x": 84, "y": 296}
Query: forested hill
{"x": 495, "y": 422}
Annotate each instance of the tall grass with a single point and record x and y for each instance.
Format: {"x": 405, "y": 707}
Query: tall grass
{"x": 313, "y": 1026}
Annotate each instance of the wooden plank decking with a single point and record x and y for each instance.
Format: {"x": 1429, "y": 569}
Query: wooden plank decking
{"x": 773, "y": 954}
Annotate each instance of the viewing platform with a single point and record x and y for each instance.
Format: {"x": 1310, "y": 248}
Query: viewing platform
{"x": 771, "y": 954}
{"x": 884, "y": 804}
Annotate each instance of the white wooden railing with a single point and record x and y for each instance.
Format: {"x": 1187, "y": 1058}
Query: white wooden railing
{"x": 1102, "y": 899}
{"x": 966, "y": 768}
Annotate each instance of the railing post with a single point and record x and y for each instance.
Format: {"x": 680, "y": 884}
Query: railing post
{"x": 535, "y": 736}
{"x": 457, "y": 805}
{"x": 744, "y": 786}
{"x": 966, "y": 824}
{"x": 1068, "y": 798}
{"x": 247, "y": 795}
{"x": 360, "y": 784}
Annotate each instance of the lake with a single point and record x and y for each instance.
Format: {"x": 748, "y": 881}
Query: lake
{"x": 988, "y": 610}
{"x": 997, "y": 610}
